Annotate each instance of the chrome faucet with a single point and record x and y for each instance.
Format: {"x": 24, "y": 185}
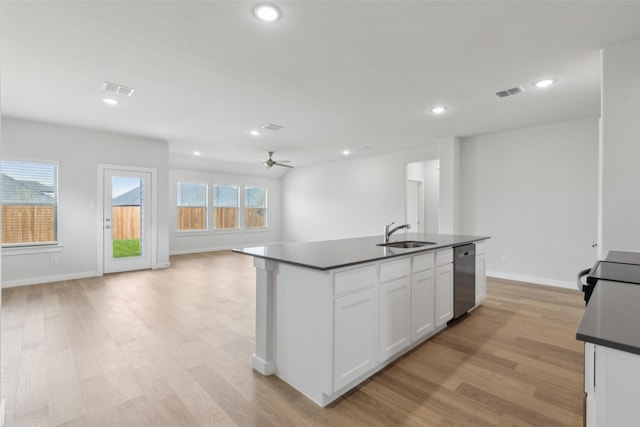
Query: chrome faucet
{"x": 388, "y": 233}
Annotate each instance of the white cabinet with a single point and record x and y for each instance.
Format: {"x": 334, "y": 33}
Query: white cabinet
{"x": 444, "y": 287}
{"x": 394, "y": 319}
{"x": 395, "y": 307}
{"x": 333, "y": 329}
{"x": 355, "y": 336}
{"x": 422, "y": 296}
{"x": 612, "y": 387}
{"x": 481, "y": 271}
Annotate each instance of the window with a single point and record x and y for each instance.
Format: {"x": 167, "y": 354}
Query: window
{"x": 29, "y": 203}
{"x": 192, "y": 206}
{"x": 255, "y": 207}
{"x": 225, "y": 207}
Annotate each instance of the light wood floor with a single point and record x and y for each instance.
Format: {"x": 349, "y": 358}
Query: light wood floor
{"x": 173, "y": 347}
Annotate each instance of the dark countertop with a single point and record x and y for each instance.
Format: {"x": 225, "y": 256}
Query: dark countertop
{"x": 612, "y": 317}
{"x": 330, "y": 254}
{"x": 623, "y": 257}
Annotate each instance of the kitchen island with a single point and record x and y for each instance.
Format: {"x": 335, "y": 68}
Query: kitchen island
{"x": 330, "y": 314}
{"x": 611, "y": 332}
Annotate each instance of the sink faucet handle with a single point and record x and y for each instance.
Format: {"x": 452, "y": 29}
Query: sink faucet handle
{"x": 391, "y": 224}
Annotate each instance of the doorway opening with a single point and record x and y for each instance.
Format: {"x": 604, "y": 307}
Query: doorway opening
{"x": 422, "y": 195}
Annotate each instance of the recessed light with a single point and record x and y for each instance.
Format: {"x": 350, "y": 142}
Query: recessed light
{"x": 196, "y": 153}
{"x": 254, "y": 133}
{"x": 346, "y": 152}
{"x": 544, "y": 83}
{"x": 267, "y": 12}
{"x": 110, "y": 101}
{"x": 438, "y": 110}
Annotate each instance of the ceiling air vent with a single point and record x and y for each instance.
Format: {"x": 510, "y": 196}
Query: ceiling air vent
{"x": 510, "y": 92}
{"x": 119, "y": 89}
{"x": 271, "y": 126}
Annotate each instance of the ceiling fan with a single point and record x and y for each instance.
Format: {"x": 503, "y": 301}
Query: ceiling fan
{"x": 270, "y": 162}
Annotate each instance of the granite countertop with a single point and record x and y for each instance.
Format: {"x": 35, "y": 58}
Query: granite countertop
{"x": 612, "y": 317}
{"x": 330, "y": 254}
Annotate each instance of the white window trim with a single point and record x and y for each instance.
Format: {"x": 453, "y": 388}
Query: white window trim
{"x": 211, "y": 230}
{"x": 31, "y": 249}
{"x": 35, "y": 247}
{"x": 208, "y": 211}
{"x": 266, "y": 207}
{"x": 213, "y": 210}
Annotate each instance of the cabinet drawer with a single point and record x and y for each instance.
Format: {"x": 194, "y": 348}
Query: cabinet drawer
{"x": 444, "y": 257}
{"x": 422, "y": 262}
{"x": 480, "y": 248}
{"x": 355, "y": 279}
{"x": 395, "y": 269}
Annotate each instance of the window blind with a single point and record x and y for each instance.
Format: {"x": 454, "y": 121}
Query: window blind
{"x": 29, "y": 203}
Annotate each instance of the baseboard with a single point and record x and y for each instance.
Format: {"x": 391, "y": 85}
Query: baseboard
{"x": 532, "y": 279}
{"x": 2, "y": 405}
{"x": 48, "y": 279}
{"x": 202, "y": 250}
{"x": 161, "y": 265}
{"x": 219, "y": 248}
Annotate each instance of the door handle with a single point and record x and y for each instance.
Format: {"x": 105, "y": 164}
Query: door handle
{"x": 107, "y": 226}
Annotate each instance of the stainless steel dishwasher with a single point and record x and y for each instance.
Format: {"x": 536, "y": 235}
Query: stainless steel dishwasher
{"x": 464, "y": 279}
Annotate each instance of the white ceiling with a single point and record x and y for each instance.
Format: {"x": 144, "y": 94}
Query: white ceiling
{"x": 336, "y": 74}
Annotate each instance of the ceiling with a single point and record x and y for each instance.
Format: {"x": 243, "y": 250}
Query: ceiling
{"x": 357, "y": 75}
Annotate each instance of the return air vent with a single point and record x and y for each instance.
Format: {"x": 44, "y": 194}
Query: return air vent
{"x": 510, "y": 92}
{"x": 119, "y": 89}
{"x": 271, "y": 126}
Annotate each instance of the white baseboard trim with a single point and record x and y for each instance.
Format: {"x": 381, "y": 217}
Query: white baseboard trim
{"x": 48, "y": 279}
{"x": 161, "y": 265}
{"x": 533, "y": 279}
{"x": 219, "y": 248}
{"x": 202, "y": 250}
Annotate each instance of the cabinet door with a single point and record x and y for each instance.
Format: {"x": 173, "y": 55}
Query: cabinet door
{"x": 355, "y": 336}
{"x": 481, "y": 278}
{"x": 395, "y": 310}
{"x": 616, "y": 388}
{"x": 422, "y": 304}
{"x": 444, "y": 294}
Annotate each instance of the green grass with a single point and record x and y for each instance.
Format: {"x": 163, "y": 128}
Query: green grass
{"x": 126, "y": 248}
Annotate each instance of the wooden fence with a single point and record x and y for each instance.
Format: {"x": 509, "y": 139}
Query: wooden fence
{"x": 32, "y": 224}
{"x": 28, "y": 224}
{"x": 254, "y": 217}
{"x": 223, "y": 218}
{"x": 125, "y": 222}
{"x": 192, "y": 218}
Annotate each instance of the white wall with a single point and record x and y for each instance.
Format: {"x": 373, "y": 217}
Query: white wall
{"x": 432, "y": 196}
{"x": 449, "y": 192}
{"x": 415, "y": 196}
{"x": 202, "y": 241}
{"x": 78, "y": 152}
{"x": 534, "y": 191}
{"x": 620, "y": 197}
{"x": 350, "y": 198}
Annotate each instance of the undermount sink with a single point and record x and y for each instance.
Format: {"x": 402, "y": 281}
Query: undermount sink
{"x": 407, "y": 244}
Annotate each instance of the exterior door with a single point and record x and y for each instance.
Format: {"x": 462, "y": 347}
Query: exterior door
{"x": 126, "y": 220}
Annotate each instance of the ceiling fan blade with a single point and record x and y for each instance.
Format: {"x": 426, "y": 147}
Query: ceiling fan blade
{"x": 284, "y": 161}
{"x": 280, "y": 164}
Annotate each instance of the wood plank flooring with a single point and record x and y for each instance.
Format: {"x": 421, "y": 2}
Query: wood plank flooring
{"x": 173, "y": 348}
